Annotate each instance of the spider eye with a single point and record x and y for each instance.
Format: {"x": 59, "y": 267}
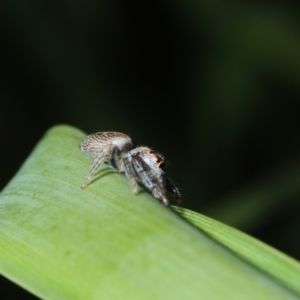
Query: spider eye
{"x": 160, "y": 163}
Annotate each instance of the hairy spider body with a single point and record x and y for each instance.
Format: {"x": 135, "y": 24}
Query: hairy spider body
{"x": 140, "y": 164}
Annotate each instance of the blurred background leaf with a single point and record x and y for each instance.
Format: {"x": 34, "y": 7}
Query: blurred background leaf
{"x": 213, "y": 85}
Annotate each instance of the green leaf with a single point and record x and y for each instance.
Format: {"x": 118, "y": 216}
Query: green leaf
{"x": 61, "y": 242}
{"x": 278, "y": 265}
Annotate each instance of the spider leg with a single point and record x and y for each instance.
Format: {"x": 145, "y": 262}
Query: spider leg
{"x": 130, "y": 174}
{"x": 104, "y": 155}
{"x": 162, "y": 197}
{"x": 151, "y": 183}
{"x": 174, "y": 190}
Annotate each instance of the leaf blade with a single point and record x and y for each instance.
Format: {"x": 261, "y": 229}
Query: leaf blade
{"x": 275, "y": 263}
{"x": 61, "y": 242}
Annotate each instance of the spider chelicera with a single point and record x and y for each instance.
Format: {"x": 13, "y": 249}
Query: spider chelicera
{"x": 140, "y": 164}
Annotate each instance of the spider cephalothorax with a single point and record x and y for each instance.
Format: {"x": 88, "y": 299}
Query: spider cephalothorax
{"x": 140, "y": 164}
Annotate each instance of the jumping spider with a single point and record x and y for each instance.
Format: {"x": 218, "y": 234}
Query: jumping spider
{"x": 140, "y": 164}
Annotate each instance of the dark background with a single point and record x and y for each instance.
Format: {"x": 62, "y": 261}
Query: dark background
{"x": 213, "y": 85}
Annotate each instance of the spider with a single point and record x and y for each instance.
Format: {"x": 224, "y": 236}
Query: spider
{"x": 140, "y": 164}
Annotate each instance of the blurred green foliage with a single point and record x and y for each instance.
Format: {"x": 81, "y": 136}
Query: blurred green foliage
{"x": 213, "y": 85}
